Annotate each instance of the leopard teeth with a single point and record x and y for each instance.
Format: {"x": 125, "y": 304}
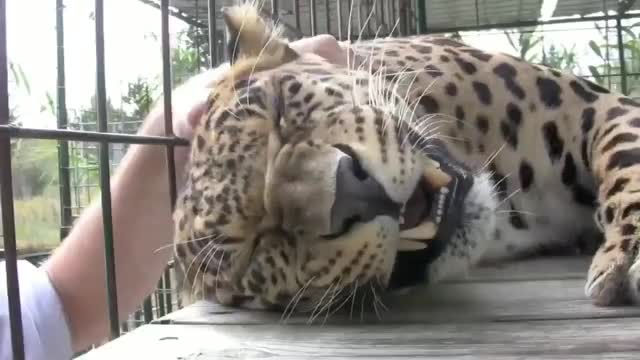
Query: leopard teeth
{"x": 426, "y": 230}
{"x": 411, "y": 245}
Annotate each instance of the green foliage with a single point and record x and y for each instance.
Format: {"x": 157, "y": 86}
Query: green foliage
{"x": 37, "y": 223}
{"x": 559, "y": 57}
{"x": 610, "y": 70}
{"x": 188, "y": 59}
{"x": 530, "y": 47}
{"x": 35, "y": 166}
{"x": 140, "y": 97}
{"x": 524, "y": 42}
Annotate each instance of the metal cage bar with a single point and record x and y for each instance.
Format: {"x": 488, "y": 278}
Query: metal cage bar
{"x": 105, "y": 181}
{"x": 6, "y": 193}
{"x": 213, "y": 36}
{"x": 64, "y": 177}
{"x": 312, "y": 17}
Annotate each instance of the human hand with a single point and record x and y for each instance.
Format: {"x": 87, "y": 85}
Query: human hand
{"x": 189, "y": 99}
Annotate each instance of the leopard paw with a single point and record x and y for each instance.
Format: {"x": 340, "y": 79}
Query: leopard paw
{"x": 614, "y": 276}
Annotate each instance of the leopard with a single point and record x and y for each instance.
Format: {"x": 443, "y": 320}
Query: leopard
{"x": 313, "y": 184}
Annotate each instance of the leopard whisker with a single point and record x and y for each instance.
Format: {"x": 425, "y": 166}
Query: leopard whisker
{"x": 353, "y": 299}
{"x": 318, "y": 304}
{"x": 295, "y": 300}
{"x": 203, "y": 250}
{"x": 491, "y": 158}
{"x": 514, "y": 193}
{"x": 205, "y": 260}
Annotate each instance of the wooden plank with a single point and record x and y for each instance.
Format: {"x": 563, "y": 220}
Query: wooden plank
{"x": 461, "y": 302}
{"x": 583, "y": 339}
{"x": 547, "y": 268}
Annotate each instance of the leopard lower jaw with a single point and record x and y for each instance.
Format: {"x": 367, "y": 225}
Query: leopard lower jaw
{"x": 434, "y": 206}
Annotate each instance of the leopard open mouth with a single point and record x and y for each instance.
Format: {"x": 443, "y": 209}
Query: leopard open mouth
{"x": 429, "y": 219}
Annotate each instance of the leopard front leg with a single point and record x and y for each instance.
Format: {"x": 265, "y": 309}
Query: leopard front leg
{"x": 614, "y": 274}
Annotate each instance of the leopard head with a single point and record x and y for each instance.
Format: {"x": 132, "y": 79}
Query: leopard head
{"x": 308, "y": 179}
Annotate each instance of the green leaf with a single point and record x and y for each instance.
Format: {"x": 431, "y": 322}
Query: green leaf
{"x": 596, "y": 49}
{"x": 595, "y": 73}
{"x": 25, "y": 80}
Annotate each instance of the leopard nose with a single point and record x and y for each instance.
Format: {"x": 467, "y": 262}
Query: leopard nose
{"x": 358, "y": 196}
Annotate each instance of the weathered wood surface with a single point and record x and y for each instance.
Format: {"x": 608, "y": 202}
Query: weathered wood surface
{"x": 533, "y": 309}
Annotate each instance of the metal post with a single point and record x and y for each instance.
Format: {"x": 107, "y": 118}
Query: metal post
{"x": 296, "y": 13}
{"x": 105, "y": 182}
{"x": 197, "y": 38}
{"x": 274, "y": 10}
{"x": 168, "y": 114}
{"x": 167, "y": 286}
{"x": 339, "y": 6}
{"x": 327, "y": 11}
{"x": 213, "y": 37}
{"x": 160, "y": 298}
{"x": 623, "y": 66}
{"x": 422, "y": 16}
{"x": 61, "y": 108}
{"x": 312, "y": 16}
{"x": 6, "y": 193}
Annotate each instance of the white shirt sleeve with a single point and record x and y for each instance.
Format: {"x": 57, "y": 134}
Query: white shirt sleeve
{"x": 46, "y": 331}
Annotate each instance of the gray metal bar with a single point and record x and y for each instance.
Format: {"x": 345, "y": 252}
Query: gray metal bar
{"x": 64, "y": 178}
{"x": 105, "y": 182}
{"x": 6, "y": 193}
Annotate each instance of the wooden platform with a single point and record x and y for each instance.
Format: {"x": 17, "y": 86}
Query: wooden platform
{"x": 534, "y": 309}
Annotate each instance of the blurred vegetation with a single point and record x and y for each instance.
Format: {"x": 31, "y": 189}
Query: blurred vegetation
{"x": 608, "y": 73}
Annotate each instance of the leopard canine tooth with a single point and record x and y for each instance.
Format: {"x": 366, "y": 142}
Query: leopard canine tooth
{"x": 411, "y": 245}
{"x": 426, "y": 230}
{"x": 436, "y": 177}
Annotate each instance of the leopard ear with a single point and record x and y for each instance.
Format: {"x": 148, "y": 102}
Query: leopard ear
{"x": 251, "y": 37}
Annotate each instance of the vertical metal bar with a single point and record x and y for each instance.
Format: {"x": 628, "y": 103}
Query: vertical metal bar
{"x": 327, "y": 12}
{"x": 274, "y": 10}
{"x": 197, "y": 37}
{"x": 213, "y": 36}
{"x": 477, "y": 13}
{"x": 422, "y": 16}
{"x": 623, "y": 65}
{"x": 147, "y": 310}
{"x": 393, "y": 16}
{"x": 6, "y": 193}
{"x": 339, "y": 6}
{"x": 381, "y": 8}
{"x": 403, "y": 14}
{"x": 167, "y": 286}
{"x": 312, "y": 16}
{"x": 160, "y": 297}
{"x": 168, "y": 115}
{"x": 64, "y": 178}
{"x": 105, "y": 182}
{"x": 359, "y": 7}
{"x": 296, "y": 13}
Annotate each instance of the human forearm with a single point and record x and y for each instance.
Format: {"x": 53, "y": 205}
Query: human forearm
{"x": 142, "y": 229}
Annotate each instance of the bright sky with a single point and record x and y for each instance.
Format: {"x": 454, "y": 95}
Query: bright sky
{"x": 131, "y": 51}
